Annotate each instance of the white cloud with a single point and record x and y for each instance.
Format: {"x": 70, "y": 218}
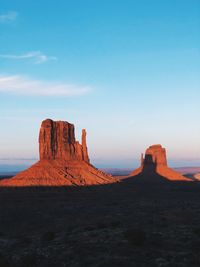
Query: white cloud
{"x": 8, "y": 17}
{"x": 18, "y": 84}
{"x": 37, "y": 57}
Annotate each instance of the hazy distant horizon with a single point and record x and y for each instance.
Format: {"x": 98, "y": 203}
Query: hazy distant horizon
{"x": 19, "y": 165}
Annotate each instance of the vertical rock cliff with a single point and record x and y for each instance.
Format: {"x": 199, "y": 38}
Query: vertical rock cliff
{"x": 63, "y": 160}
{"x": 157, "y": 155}
{"x": 84, "y": 147}
{"x": 57, "y": 141}
{"x": 155, "y": 162}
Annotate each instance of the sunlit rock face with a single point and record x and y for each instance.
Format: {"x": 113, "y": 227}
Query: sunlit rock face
{"x": 197, "y": 176}
{"x": 158, "y": 155}
{"x": 155, "y": 162}
{"x": 57, "y": 141}
{"x": 63, "y": 160}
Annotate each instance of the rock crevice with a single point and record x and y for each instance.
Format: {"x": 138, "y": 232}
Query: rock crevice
{"x": 63, "y": 160}
{"x": 155, "y": 162}
{"x": 57, "y": 141}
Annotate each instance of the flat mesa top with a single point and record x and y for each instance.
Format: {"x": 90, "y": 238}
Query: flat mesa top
{"x": 156, "y": 146}
{"x": 50, "y": 121}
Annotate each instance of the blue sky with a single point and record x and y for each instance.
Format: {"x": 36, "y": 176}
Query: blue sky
{"x": 126, "y": 70}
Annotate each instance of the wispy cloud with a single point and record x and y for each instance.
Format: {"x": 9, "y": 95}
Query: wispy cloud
{"x": 37, "y": 57}
{"x": 8, "y": 17}
{"x": 18, "y": 84}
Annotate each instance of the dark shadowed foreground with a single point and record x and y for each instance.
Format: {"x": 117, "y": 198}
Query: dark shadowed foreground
{"x": 132, "y": 223}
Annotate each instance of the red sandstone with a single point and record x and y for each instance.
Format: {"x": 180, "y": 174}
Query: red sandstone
{"x": 155, "y": 160}
{"x": 63, "y": 161}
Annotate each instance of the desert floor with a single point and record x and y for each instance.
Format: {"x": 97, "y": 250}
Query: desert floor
{"x": 132, "y": 223}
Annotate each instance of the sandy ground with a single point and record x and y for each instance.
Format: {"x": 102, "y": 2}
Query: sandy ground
{"x": 132, "y": 223}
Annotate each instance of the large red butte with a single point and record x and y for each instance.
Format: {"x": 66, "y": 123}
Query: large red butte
{"x": 57, "y": 141}
{"x": 63, "y": 160}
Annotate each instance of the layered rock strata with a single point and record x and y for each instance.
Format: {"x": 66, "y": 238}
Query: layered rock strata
{"x": 63, "y": 160}
{"x": 155, "y": 161}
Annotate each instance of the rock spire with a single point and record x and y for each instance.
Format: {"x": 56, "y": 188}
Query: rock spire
{"x": 63, "y": 160}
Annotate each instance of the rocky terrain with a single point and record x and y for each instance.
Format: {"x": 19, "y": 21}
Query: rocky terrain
{"x": 197, "y": 176}
{"x": 188, "y": 170}
{"x": 122, "y": 224}
{"x": 62, "y": 211}
{"x": 63, "y": 160}
{"x": 155, "y": 161}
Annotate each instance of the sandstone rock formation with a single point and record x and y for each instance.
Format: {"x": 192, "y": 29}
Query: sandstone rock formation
{"x": 155, "y": 162}
{"x": 197, "y": 176}
{"x": 57, "y": 141}
{"x": 63, "y": 160}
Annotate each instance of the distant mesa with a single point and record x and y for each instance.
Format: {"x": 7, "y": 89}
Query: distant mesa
{"x": 63, "y": 160}
{"x": 154, "y": 164}
{"x": 197, "y": 176}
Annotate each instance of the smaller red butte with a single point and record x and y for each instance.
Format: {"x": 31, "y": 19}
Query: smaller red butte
{"x": 155, "y": 160}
